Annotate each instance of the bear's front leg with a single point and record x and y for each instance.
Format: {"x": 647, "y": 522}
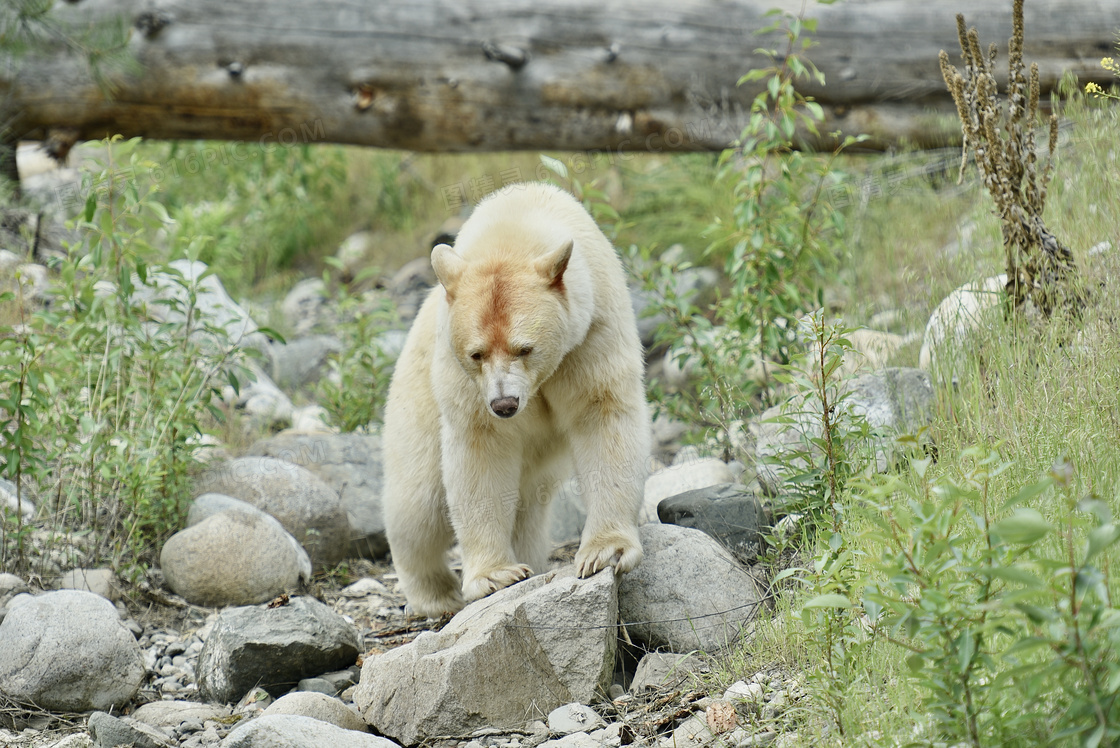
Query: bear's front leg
{"x": 482, "y": 481}
{"x": 611, "y": 451}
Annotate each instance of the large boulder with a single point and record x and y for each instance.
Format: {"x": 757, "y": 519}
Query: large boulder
{"x": 957, "y": 320}
{"x": 68, "y": 651}
{"x": 237, "y": 555}
{"x": 505, "y": 659}
{"x": 294, "y": 731}
{"x": 729, "y": 512}
{"x": 306, "y": 506}
{"x": 688, "y": 593}
{"x": 351, "y": 465}
{"x": 893, "y": 401}
{"x": 273, "y": 647}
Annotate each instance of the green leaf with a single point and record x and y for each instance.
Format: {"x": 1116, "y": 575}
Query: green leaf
{"x": 1024, "y": 527}
{"x": 1028, "y": 492}
{"x": 829, "y": 601}
{"x": 1101, "y": 538}
{"x": 556, "y": 166}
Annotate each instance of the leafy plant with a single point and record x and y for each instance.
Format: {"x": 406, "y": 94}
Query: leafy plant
{"x": 1007, "y": 639}
{"x": 354, "y": 391}
{"x": 776, "y": 250}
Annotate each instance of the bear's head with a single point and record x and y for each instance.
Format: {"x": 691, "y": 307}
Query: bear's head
{"x": 508, "y": 321}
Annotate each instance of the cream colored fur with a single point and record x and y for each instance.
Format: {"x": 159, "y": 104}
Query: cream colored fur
{"x": 532, "y": 309}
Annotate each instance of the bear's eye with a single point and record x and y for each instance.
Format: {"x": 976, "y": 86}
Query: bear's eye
{"x": 525, "y": 351}
{"x": 476, "y": 356}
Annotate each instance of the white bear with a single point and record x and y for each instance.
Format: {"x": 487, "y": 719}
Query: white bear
{"x": 522, "y": 367}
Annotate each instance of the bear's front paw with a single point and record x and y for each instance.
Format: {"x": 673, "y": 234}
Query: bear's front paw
{"x": 480, "y": 585}
{"x": 622, "y": 552}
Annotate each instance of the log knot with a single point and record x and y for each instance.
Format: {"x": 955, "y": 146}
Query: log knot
{"x": 515, "y": 57}
{"x": 151, "y": 22}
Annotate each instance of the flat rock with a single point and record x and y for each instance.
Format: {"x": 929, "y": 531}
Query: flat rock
{"x": 108, "y": 731}
{"x": 68, "y": 651}
{"x": 318, "y": 706}
{"x": 893, "y": 401}
{"x": 273, "y": 647}
{"x": 574, "y": 740}
{"x": 350, "y": 464}
{"x": 501, "y": 661}
{"x": 306, "y": 506}
{"x": 688, "y": 592}
{"x": 98, "y": 581}
{"x": 729, "y": 512}
{"x": 175, "y": 713}
{"x": 688, "y": 475}
{"x": 294, "y": 731}
{"x": 236, "y": 556}
{"x": 657, "y": 670}
{"x": 302, "y": 361}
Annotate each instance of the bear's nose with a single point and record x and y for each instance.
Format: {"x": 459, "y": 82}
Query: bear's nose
{"x": 504, "y": 406}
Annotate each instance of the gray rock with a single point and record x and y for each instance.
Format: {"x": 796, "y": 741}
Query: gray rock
{"x": 351, "y": 465}
{"x": 688, "y": 593}
{"x": 98, "y": 581}
{"x": 317, "y": 685}
{"x": 893, "y": 401}
{"x": 167, "y": 297}
{"x": 306, "y": 506}
{"x": 234, "y": 557}
{"x": 354, "y": 251}
{"x": 175, "y": 713}
{"x": 547, "y": 641}
{"x": 657, "y": 670}
{"x": 306, "y": 307}
{"x": 273, "y": 648}
{"x": 318, "y": 706}
{"x": 68, "y": 651}
{"x": 260, "y": 399}
{"x": 108, "y": 731}
{"x": 293, "y": 731}
{"x": 302, "y": 361}
{"x": 574, "y": 717}
{"x": 728, "y": 512}
{"x": 688, "y": 475}
{"x": 11, "y": 585}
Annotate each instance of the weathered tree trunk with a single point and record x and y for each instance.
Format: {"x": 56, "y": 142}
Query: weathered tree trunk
{"x": 477, "y": 75}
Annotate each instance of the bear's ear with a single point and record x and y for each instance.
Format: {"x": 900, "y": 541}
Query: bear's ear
{"x": 448, "y": 266}
{"x": 552, "y": 265}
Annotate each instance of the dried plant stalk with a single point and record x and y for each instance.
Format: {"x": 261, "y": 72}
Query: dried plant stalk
{"x": 1039, "y": 267}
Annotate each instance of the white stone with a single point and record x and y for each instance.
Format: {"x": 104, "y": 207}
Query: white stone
{"x": 575, "y": 717}
{"x": 958, "y": 318}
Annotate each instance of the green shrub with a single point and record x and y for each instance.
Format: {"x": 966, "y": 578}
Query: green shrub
{"x": 107, "y": 402}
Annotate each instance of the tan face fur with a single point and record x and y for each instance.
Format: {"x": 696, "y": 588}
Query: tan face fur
{"x": 507, "y": 322}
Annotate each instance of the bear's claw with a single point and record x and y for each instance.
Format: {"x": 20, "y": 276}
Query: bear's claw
{"x": 595, "y": 556}
{"x": 488, "y": 583}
